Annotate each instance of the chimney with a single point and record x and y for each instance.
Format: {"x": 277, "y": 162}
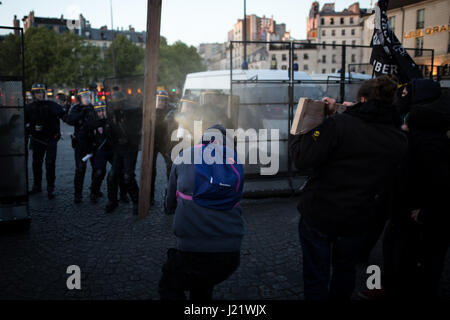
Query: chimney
{"x": 354, "y": 8}
{"x": 16, "y": 24}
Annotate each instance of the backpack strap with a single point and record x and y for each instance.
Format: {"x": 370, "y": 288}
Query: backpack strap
{"x": 183, "y": 196}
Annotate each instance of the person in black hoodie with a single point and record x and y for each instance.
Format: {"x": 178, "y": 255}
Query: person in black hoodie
{"x": 353, "y": 156}
{"x": 417, "y": 238}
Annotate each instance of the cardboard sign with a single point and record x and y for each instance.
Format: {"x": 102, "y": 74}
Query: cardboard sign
{"x": 310, "y": 114}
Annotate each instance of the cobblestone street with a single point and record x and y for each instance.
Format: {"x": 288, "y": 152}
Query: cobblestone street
{"x": 121, "y": 257}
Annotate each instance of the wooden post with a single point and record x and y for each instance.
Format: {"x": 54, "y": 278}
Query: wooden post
{"x": 149, "y": 112}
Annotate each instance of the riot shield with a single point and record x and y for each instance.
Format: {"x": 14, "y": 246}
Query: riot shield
{"x": 124, "y": 99}
{"x": 13, "y": 153}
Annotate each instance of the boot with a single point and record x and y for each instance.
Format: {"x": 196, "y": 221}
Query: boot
{"x": 124, "y": 198}
{"x": 78, "y": 198}
{"x": 51, "y": 194}
{"x": 135, "y": 209}
{"x": 111, "y": 206}
{"x": 94, "y": 198}
{"x": 36, "y": 189}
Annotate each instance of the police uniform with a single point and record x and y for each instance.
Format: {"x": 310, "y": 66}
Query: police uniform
{"x": 125, "y": 152}
{"x": 42, "y": 121}
{"x": 80, "y": 116}
{"x": 165, "y": 124}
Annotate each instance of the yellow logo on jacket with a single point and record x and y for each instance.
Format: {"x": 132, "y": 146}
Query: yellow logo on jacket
{"x": 316, "y": 135}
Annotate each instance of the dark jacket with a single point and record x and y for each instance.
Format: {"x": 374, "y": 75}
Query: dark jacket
{"x": 428, "y": 182}
{"x": 354, "y": 156}
{"x": 426, "y": 179}
{"x": 78, "y": 116}
{"x": 42, "y": 120}
{"x": 99, "y": 135}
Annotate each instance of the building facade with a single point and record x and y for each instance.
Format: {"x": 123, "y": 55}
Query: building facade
{"x": 101, "y": 37}
{"x": 331, "y": 29}
{"x": 422, "y": 25}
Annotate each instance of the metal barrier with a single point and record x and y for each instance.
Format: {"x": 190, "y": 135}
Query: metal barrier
{"x": 13, "y": 153}
{"x": 266, "y": 104}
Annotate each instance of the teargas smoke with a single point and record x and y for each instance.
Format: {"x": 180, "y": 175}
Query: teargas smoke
{"x": 124, "y": 99}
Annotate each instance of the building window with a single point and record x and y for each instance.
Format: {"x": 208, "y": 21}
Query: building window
{"x": 322, "y": 21}
{"x": 344, "y": 42}
{"x": 333, "y": 32}
{"x": 333, "y": 58}
{"x": 324, "y": 59}
{"x": 324, "y": 70}
{"x": 295, "y": 57}
{"x": 283, "y": 57}
{"x": 420, "y": 19}
{"x": 342, "y": 20}
{"x": 392, "y": 23}
{"x": 333, "y": 70}
{"x": 353, "y": 43}
{"x": 274, "y": 57}
{"x": 343, "y": 32}
{"x": 334, "y": 44}
{"x": 305, "y": 67}
{"x": 331, "y": 20}
{"x": 305, "y": 56}
{"x": 323, "y": 45}
{"x": 323, "y": 33}
{"x": 353, "y": 58}
{"x": 419, "y": 46}
{"x": 351, "y": 20}
{"x": 448, "y": 47}
{"x": 353, "y": 32}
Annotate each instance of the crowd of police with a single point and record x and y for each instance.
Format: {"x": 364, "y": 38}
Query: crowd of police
{"x": 102, "y": 134}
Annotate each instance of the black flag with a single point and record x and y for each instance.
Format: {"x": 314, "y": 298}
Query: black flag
{"x": 388, "y": 55}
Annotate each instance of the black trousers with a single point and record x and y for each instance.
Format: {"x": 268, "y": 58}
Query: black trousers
{"x": 102, "y": 158}
{"x": 123, "y": 167}
{"x": 168, "y": 163}
{"x": 322, "y": 254}
{"x": 48, "y": 151}
{"x": 195, "y": 272}
{"x": 80, "y": 169}
{"x": 401, "y": 251}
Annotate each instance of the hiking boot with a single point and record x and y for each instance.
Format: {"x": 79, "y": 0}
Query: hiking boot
{"x": 111, "y": 206}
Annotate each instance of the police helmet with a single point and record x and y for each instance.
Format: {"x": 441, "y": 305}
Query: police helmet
{"x": 38, "y": 87}
{"x": 100, "y": 109}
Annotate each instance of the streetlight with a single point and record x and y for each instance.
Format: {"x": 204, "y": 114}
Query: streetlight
{"x": 245, "y": 64}
{"x": 113, "y": 37}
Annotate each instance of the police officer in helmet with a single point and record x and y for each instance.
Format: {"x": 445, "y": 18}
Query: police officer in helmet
{"x": 42, "y": 121}
{"x": 125, "y": 152}
{"x": 165, "y": 125}
{"x": 80, "y": 117}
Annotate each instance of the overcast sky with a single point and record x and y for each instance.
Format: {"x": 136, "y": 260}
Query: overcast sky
{"x": 191, "y": 21}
